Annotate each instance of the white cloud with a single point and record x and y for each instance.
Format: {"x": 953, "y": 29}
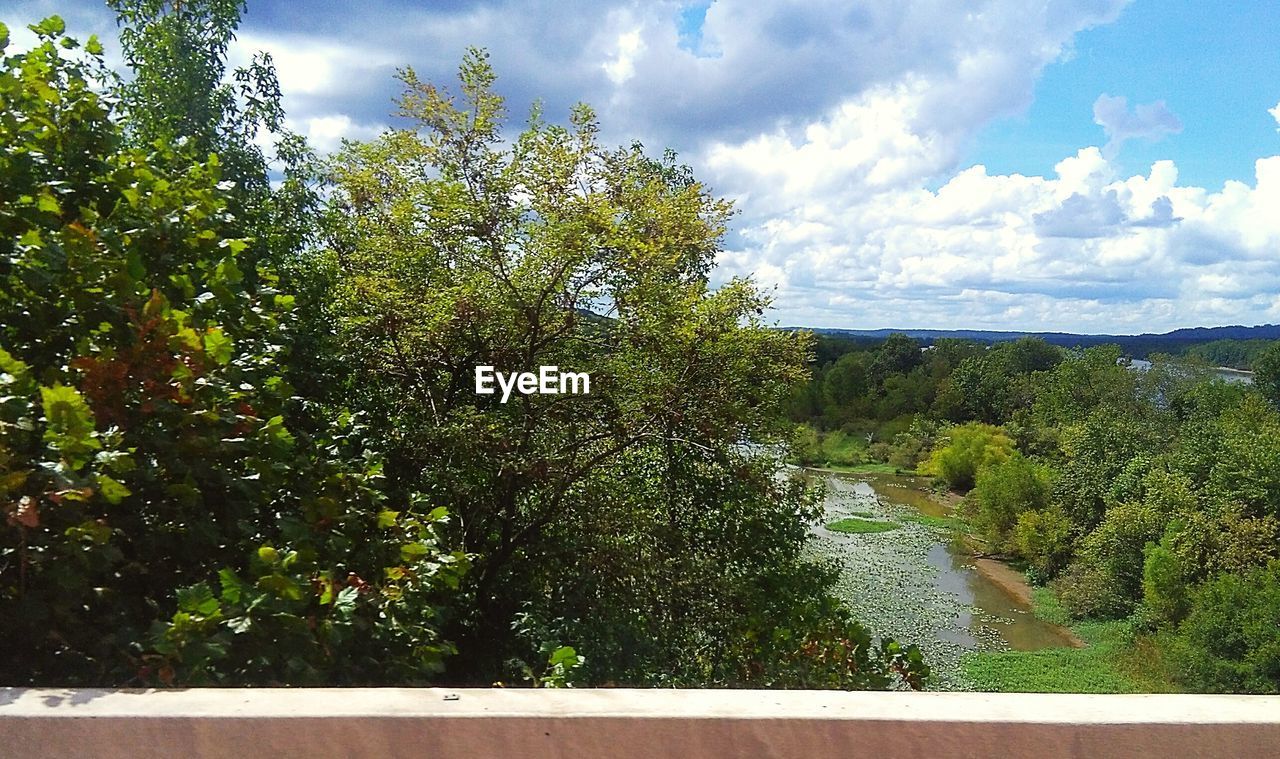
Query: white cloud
{"x": 1150, "y": 121}
{"x": 1275, "y": 113}
{"x": 621, "y": 67}
{"x": 326, "y": 133}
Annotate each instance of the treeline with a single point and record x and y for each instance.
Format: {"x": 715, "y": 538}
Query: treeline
{"x": 1149, "y": 496}
{"x": 239, "y": 438}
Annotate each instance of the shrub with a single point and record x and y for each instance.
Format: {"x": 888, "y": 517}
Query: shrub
{"x": 1116, "y": 550}
{"x": 1088, "y": 592}
{"x": 963, "y": 450}
{"x": 1043, "y": 538}
{"x": 1164, "y": 582}
{"x": 1230, "y": 640}
{"x": 1005, "y": 490}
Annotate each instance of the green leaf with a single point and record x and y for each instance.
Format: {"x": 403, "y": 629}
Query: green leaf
{"x": 387, "y": 518}
{"x": 232, "y": 587}
{"x": 93, "y": 46}
{"x": 50, "y": 27}
{"x": 346, "y": 600}
{"x": 217, "y": 345}
{"x": 228, "y": 273}
{"x": 283, "y": 587}
{"x": 70, "y": 424}
{"x": 198, "y": 599}
{"x": 4, "y": 36}
{"x": 46, "y": 202}
{"x": 15, "y": 373}
{"x": 112, "y": 490}
{"x": 411, "y": 552}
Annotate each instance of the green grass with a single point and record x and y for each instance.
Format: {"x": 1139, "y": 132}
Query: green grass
{"x": 945, "y": 523}
{"x": 1114, "y": 660}
{"x": 869, "y": 468}
{"x": 841, "y": 449}
{"x": 856, "y": 526}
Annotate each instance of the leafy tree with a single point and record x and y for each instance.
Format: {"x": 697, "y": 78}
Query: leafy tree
{"x": 963, "y": 451}
{"x": 1003, "y": 491}
{"x": 630, "y": 522}
{"x": 146, "y": 449}
{"x": 1044, "y": 538}
{"x": 1266, "y": 373}
{"x": 898, "y": 354}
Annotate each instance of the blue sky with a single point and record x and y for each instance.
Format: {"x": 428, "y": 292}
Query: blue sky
{"x": 1215, "y": 64}
{"x": 1082, "y": 165}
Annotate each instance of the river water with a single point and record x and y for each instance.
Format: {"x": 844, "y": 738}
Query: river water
{"x": 915, "y": 583}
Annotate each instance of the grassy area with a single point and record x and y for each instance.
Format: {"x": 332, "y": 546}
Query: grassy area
{"x": 1115, "y": 659}
{"x": 857, "y": 526}
{"x": 946, "y": 523}
{"x": 869, "y": 468}
{"x": 842, "y": 449}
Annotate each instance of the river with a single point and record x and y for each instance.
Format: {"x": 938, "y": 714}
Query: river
{"x": 915, "y": 583}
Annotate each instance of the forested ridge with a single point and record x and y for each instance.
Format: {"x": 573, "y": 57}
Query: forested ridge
{"x": 239, "y": 441}
{"x": 1151, "y": 497}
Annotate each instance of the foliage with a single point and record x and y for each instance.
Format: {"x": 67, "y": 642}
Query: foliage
{"x": 1043, "y": 537}
{"x": 964, "y": 450}
{"x": 856, "y": 526}
{"x": 1164, "y": 582}
{"x": 1111, "y": 559}
{"x": 1266, "y": 373}
{"x": 631, "y": 522}
{"x": 806, "y": 447}
{"x": 148, "y": 442}
{"x": 1005, "y": 490}
{"x": 1230, "y": 641}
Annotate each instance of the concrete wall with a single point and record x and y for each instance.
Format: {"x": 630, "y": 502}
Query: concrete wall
{"x": 434, "y": 722}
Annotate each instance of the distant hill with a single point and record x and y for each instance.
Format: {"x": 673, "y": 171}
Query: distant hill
{"x": 1138, "y": 346}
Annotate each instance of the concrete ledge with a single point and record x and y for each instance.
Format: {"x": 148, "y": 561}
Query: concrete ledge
{"x": 690, "y": 724}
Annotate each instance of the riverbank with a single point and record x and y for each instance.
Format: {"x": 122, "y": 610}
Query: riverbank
{"x": 1113, "y": 658}
{"x": 903, "y": 575}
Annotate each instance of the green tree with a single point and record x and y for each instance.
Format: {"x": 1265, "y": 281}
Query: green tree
{"x": 961, "y": 452}
{"x": 1044, "y": 539}
{"x": 146, "y": 448}
{"x": 1266, "y": 373}
{"x": 631, "y": 522}
{"x": 1002, "y": 492}
{"x": 1230, "y": 641}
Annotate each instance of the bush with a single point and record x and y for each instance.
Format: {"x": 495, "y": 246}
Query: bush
{"x": 1230, "y": 640}
{"x": 1116, "y": 550}
{"x": 1164, "y": 582}
{"x": 1088, "y": 592}
{"x": 1043, "y": 538}
{"x": 1003, "y": 492}
{"x": 149, "y": 441}
{"x": 806, "y": 447}
{"x": 963, "y": 450}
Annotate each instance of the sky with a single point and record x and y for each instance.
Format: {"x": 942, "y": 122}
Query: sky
{"x": 1077, "y": 165}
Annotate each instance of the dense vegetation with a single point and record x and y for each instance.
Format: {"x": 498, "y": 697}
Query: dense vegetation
{"x": 239, "y": 442}
{"x": 1147, "y": 498}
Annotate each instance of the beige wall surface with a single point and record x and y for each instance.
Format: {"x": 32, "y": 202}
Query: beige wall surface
{"x": 434, "y": 722}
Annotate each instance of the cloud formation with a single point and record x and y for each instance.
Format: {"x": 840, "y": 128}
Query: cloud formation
{"x": 840, "y": 131}
{"x": 1149, "y": 121}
